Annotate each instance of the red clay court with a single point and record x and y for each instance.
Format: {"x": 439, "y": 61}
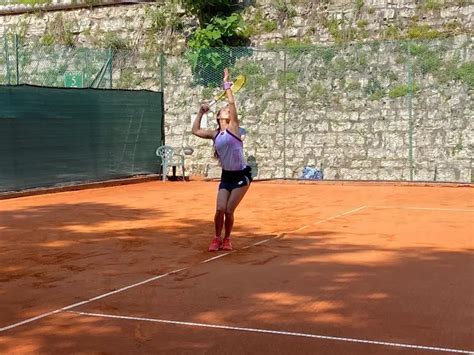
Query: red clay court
{"x": 318, "y": 268}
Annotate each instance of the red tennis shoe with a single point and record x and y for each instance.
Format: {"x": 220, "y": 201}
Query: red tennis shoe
{"x": 216, "y": 244}
{"x": 227, "y": 245}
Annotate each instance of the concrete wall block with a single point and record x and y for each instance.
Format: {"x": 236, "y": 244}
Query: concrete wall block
{"x": 354, "y": 152}
{"x": 358, "y": 174}
{"x": 355, "y": 139}
{"x": 424, "y": 175}
{"x": 360, "y": 164}
{"x": 393, "y": 141}
{"x": 383, "y": 153}
{"x": 394, "y": 163}
{"x": 340, "y": 126}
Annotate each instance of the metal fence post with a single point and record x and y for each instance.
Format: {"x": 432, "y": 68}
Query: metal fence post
{"x": 162, "y": 72}
{"x": 7, "y": 59}
{"x": 410, "y": 109}
{"x": 111, "y": 60}
{"x": 17, "y": 60}
{"x": 162, "y": 88}
{"x": 284, "y": 112}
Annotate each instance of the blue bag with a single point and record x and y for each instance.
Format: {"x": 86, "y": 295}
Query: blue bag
{"x": 312, "y": 173}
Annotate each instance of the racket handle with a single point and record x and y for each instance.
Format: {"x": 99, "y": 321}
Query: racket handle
{"x": 212, "y": 102}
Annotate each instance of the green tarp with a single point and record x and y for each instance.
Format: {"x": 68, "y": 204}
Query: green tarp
{"x": 51, "y": 136}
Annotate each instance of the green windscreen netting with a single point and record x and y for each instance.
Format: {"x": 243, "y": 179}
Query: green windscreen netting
{"x": 51, "y": 136}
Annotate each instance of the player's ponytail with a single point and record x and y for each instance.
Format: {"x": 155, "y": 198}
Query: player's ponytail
{"x": 216, "y": 155}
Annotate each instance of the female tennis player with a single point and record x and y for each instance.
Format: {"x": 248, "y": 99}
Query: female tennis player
{"x": 236, "y": 174}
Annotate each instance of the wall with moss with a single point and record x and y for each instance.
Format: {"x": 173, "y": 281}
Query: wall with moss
{"x": 359, "y": 109}
{"x": 343, "y": 20}
{"x": 165, "y": 25}
{"x": 375, "y": 111}
{"x": 153, "y": 28}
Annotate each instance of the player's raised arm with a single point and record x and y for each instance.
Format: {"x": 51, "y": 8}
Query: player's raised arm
{"x": 230, "y": 99}
{"x": 196, "y": 129}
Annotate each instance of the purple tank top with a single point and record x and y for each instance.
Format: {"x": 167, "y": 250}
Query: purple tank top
{"x": 230, "y": 149}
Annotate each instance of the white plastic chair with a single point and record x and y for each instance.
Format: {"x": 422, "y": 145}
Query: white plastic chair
{"x": 169, "y": 158}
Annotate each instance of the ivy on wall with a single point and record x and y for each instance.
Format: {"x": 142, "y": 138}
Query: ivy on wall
{"x": 211, "y": 45}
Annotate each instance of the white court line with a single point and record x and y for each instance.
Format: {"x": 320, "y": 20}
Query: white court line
{"x": 306, "y": 226}
{"x": 74, "y": 305}
{"x": 275, "y": 237}
{"x": 328, "y": 219}
{"x": 340, "y": 215}
{"x": 300, "y": 228}
{"x": 216, "y": 257}
{"x": 425, "y": 208}
{"x": 29, "y": 320}
{"x": 277, "y": 332}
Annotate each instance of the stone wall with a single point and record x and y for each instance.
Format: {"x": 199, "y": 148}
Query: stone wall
{"x": 346, "y": 109}
{"x": 345, "y": 20}
{"x": 131, "y": 26}
{"x": 309, "y": 21}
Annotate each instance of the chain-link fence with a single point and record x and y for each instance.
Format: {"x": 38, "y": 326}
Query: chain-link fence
{"x": 30, "y": 62}
{"x": 81, "y": 134}
{"x": 368, "y": 111}
{"x": 362, "y": 111}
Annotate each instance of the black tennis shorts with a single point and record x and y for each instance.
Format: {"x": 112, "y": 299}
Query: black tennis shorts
{"x": 233, "y": 179}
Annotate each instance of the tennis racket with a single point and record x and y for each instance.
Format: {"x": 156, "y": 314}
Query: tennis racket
{"x": 236, "y": 86}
